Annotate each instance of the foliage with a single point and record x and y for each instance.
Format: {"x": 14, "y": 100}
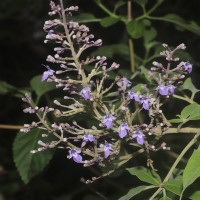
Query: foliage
{"x": 117, "y": 129}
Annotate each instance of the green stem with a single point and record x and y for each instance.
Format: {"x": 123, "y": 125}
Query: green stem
{"x": 184, "y": 151}
{"x": 184, "y": 98}
{"x": 155, "y": 6}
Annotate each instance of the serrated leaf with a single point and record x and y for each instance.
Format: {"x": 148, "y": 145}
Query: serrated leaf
{"x": 28, "y": 164}
{"x": 109, "y": 21}
{"x": 174, "y": 186}
{"x": 188, "y": 85}
{"x": 135, "y": 29}
{"x": 192, "y": 169}
{"x": 177, "y": 20}
{"x": 145, "y": 175}
{"x": 191, "y": 112}
{"x": 40, "y": 87}
{"x": 134, "y": 191}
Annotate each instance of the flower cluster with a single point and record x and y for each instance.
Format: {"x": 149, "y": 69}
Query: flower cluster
{"x": 84, "y": 94}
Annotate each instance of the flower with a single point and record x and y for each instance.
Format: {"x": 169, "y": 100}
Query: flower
{"x": 88, "y": 138}
{"x": 166, "y": 90}
{"x": 187, "y": 67}
{"x": 85, "y": 93}
{"x": 47, "y": 73}
{"x": 74, "y": 153}
{"x": 123, "y": 83}
{"x": 107, "y": 147}
{"x": 123, "y": 128}
{"x": 133, "y": 95}
{"x": 145, "y": 101}
{"x": 108, "y": 121}
{"x": 139, "y": 137}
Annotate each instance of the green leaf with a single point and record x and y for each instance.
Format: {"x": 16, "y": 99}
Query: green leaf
{"x": 135, "y": 29}
{"x": 118, "y": 4}
{"x": 174, "y": 186}
{"x": 188, "y": 85}
{"x": 40, "y": 87}
{"x": 195, "y": 195}
{"x": 165, "y": 198}
{"x": 6, "y": 88}
{"x": 177, "y": 20}
{"x": 175, "y": 120}
{"x": 109, "y": 21}
{"x": 145, "y": 72}
{"x": 149, "y": 35}
{"x": 28, "y": 164}
{"x": 192, "y": 169}
{"x": 191, "y": 112}
{"x": 134, "y": 191}
{"x": 85, "y": 18}
{"x": 145, "y": 175}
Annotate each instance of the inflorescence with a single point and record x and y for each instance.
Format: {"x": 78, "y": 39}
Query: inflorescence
{"x": 86, "y": 94}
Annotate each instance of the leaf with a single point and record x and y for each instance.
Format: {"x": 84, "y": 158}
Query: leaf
{"x": 28, "y": 164}
{"x": 191, "y": 112}
{"x": 6, "y": 88}
{"x": 195, "y": 195}
{"x": 175, "y": 120}
{"x": 40, "y": 87}
{"x": 85, "y": 18}
{"x": 119, "y": 4}
{"x": 174, "y": 186}
{"x": 109, "y": 21}
{"x": 145, "y": 175}
{"x": 165, "y": 198}
{"x": 134, "y": 191}
{"x": 145, "y": 72}
{"x": 177, "y": 20}
{"x": 135, "y": 29}
{"x": 188, "y": 85}
{"x": 192, "y": 169}
{"x": 149, "y": 35}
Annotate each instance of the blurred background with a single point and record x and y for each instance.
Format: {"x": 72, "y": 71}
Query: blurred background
{"x": 22, "y": 53}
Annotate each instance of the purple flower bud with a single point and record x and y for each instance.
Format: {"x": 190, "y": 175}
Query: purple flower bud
{"x": 133, "y": 95}
{"x": 47, "y": 73}
{"x": 107, "y": 147}
{"x": 108, "y": 121}
{"x": 145, "y": 103}
{"x": 88, "y": 138}
{"x": 139, "y": 137}
{"x": 187, "y": 67}
{"x": 74, "y": 153}
{"x": 123, "y": 128}
{"x": 85, "y": 92}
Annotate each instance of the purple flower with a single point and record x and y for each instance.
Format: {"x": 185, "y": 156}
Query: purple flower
{"x": 145, "y": 101}
{"x": 139, "y": 137}
{"x": 107, "y": 147}
{"x": 74, "y": 153}
{"x": 85, "y": 92}
{"x": 88, "y": 138}
{"x": 187, "y": 67}
{"x": 133, "y": 95}
{"x": 108, "y": 121}
{"x": 171, "y": 89}
{"x": 123, "y": 83}
{"x": 47, "y": 73}
{"x": 166, "y": 90}
{"x": 123, "y": 128}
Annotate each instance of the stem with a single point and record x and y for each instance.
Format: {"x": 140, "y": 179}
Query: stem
{"x": 184, "y": 98}
{"x": 130, "y": 41}
{"x": 190, "y": 144}
{"x": 12, "y": 127}
{"x": 155, "y": 6}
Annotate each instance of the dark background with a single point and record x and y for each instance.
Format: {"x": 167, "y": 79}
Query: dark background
{"x": 22, "y": 53}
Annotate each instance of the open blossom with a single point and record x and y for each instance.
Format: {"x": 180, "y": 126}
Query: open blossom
{"x": 88, "y": 138}
{"x": 123, "y": 128}
{"x": 47, "y": 74}
{"x": 85, "y": 93}
{"x": 74, "y": 153}
{"x": 145, "y": 101}
{"x": 187, "y": 67}
{"x": 166, "y": 90}
{"x": 133, "y": 95}
{"x": 123, "y": 83}
{"x": 139, "y": 137}
{"x": 107, "y": 147}
{"x": 108, "y": 121}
